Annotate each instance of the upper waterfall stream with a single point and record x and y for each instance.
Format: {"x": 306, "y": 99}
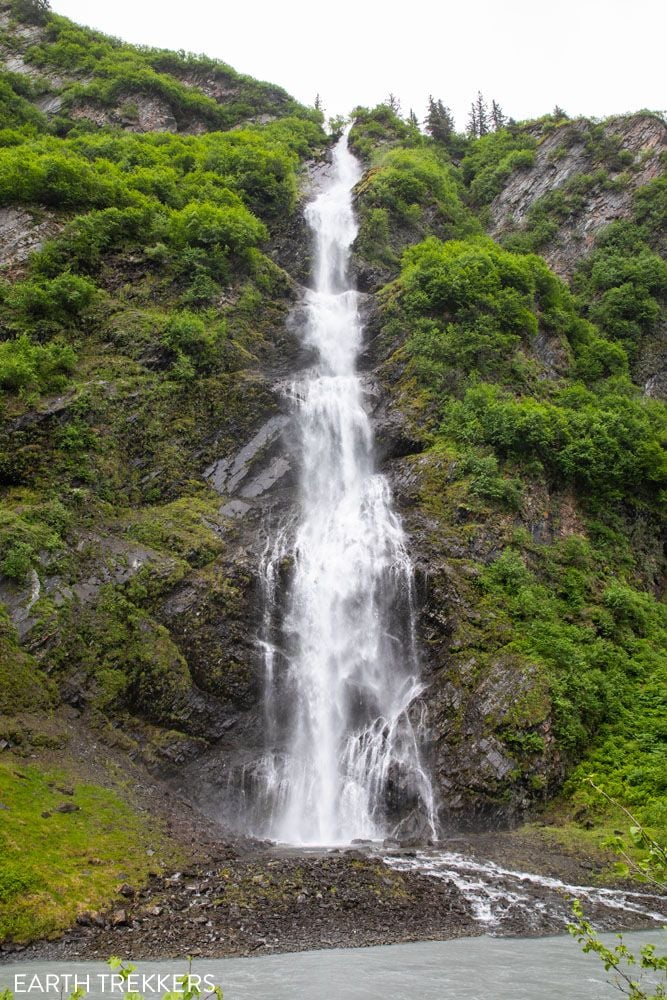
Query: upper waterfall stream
{"x": 343, "y": 729}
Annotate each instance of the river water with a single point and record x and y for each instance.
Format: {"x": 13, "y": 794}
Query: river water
{"x": 482, "y": 968}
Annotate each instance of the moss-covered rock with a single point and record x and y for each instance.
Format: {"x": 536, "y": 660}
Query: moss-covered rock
{"x": 23, "y": 686}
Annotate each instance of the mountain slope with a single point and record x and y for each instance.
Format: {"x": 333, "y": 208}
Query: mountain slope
{"x": 529, "y": 469}
{"x": 153, "y": 245}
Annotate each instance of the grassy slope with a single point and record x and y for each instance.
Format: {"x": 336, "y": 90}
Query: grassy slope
{"x": 57, "y": 865}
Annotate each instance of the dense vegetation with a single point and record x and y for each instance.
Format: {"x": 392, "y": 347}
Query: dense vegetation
{"x": 622, "y": 285}
{"x": 153, "y": 229}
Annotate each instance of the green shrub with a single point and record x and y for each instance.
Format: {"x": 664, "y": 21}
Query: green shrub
{"x": 473, "y": 309}
{"x": 491, "y": 159}
{"x": 418, "y": 189}
{"x": 379, "y": 126}
{"x": 373, "y": 240}
{"x": 17, "y": 562}
{"x": 650, "y": 210}
{"x": 52, "y": 302}
{"x": 263, "y": 171}
{"x": 232, "y": 228}
{"x": 593, "y": 679}
{"x": 18, "y": 112}
{"x": 487, "y": 482}
{"x": 608, "y": 445}
{"x": 630, "y": 608}
{"x": 623, "y": 284}
{"x": 76, "y": 437}
{"x": 53, "y": 175}
{"x": 84, "y": 243}
{"x": 479, "y": 303}
{"x": 28, "y": 366}
{"x": 31, "y": 11}
{"x": 600, "y": 359}
{"x": 186, "y": 334}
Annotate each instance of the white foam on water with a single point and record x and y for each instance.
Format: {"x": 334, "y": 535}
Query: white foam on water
{"x": 496, "y": 893}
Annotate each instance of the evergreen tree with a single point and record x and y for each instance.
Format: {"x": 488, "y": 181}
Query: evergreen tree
{"x": 439, "y": 121}
{"x": 414, "y": 130}
{"x": 431, "y": 113}
{"x": 558, "y": 114}
{"x": 482, "y": 114}
{"x": 318, "y": 103}
{"x": 472, "y": 127}
{"x": 497, "y": 117}
{"x": 393, "y": 103}
{"x": 31, "y": 11}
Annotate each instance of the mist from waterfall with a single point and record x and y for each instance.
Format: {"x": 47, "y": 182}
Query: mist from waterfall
{"x": 344, "y": 725}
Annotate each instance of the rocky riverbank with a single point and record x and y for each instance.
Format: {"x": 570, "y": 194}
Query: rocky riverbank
{"x": 246, "y": 897}
{"x": 266, "y": 904}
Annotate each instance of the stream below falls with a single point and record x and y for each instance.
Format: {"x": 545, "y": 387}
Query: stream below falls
{"x": 504, "y": 901}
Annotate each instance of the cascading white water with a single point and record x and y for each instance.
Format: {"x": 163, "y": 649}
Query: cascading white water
{"x": 342, "y": 676}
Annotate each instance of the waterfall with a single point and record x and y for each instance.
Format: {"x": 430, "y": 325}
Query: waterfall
{"x": 343, "y": 718}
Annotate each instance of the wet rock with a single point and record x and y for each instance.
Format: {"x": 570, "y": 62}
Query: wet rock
{"x": 413, "y": 830}
{"x": 495, "y": 760}
{"x": 234, "y": 509}
{"x": 262, "y": 483}
{"x": 136, "y": 112}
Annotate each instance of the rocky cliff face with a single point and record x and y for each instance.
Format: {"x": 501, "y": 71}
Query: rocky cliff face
{"x": 475, "y": 698}
{"x": 134, "y": 493}
{"x": 585, "y": 177}
{"x": 602, "y": 165}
